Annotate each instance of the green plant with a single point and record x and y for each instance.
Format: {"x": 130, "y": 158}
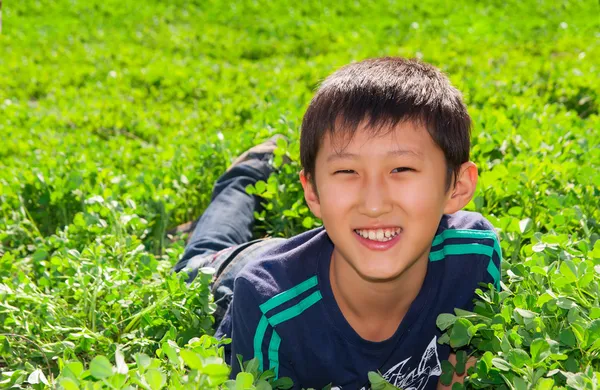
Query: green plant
{"x": 118, "y": 116}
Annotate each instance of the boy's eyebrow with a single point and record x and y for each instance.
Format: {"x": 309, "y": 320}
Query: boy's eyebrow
{"x": 391, "y": 153}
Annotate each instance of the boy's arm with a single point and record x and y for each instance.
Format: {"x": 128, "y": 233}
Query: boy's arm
{"x": 489, "y": 275}
{"x": 245, "y": 318}
{"x": 251, "y": 332}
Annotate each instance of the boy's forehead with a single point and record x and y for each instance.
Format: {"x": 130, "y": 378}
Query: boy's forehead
{"x": 407, "y": 136}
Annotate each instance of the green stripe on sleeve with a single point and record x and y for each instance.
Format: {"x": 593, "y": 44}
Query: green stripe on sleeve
{"x": 494, "y": 273}
{"x": 285, "y": 296}
{"x": 468, "y": 233}
{"x": 279, "y": 299}
{"x": 289, "y": 313}
{"x": 297, "y": 309}
{"x": 470, "y": 249}
{"x": 461, "y": 249}
{"x": 274, "y": 353}
{"x": 261, "y": 329}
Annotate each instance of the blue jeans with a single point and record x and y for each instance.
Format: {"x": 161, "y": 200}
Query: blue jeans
{"x": 222, "y": 238}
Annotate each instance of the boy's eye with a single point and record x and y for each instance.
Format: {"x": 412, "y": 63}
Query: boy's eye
{"x": 344, "y": 171}
{"x": 402, "y": 169}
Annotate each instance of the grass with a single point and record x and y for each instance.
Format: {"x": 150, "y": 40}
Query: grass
{"x": 118, "y": 116}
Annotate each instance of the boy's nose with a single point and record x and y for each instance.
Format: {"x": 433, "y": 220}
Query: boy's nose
{"x": 375, "y": 199}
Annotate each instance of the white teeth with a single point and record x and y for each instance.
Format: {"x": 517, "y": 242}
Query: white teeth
{"x": 381, "y": 235}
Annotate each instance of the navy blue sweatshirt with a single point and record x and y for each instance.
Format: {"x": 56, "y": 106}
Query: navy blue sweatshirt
{"x": 284, "y": 313}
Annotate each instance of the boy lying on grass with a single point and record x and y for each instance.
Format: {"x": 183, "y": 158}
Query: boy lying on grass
{"x": 384, "y": 148}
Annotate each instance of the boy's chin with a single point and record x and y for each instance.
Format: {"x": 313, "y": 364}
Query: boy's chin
{"x": 379, "y": 275}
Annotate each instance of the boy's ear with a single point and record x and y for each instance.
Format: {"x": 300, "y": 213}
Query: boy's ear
{"x": 310, "y": 194}
{"x": 462, "y": 193}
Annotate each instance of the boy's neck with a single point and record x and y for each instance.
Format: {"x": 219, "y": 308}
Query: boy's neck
{"x": 375, "y": 309}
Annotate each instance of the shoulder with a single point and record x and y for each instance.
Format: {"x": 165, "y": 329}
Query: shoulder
{"x": 467, "y": 242}
{"x": 465, "y": 220}
{"x": 290, "y": 265}
{"x": 465, "y": 227}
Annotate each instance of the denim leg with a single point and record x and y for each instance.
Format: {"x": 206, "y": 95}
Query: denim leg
{"x": 228, "y": 219}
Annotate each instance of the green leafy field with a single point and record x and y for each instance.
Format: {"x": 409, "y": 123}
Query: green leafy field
{"x": 116, "y": 118}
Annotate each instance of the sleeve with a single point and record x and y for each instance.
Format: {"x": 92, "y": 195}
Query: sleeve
{"x": 493, "y": 271}
{"x": 245, "y": 318}
{"x": 252, "y": 335}
{"x": 475, "y": 239}
{"x": 483, "y": 233}
{"x": 489, "y": 265}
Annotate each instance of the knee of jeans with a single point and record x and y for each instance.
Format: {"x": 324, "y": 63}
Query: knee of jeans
{"x": 191, "y": 266}
{"x": 192, "y": 273}
{"x": 222, "y": 296}
{"x": 262, "y": 167}
{"x": 255, "y": 169}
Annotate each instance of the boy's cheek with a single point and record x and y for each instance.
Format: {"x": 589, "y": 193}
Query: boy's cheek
{"x": 420, "y": 199}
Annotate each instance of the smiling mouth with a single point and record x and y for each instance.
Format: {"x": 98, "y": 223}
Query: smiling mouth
{"x": 379, "y": 235}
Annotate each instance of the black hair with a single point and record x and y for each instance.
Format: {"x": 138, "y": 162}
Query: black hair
{"x": 385, "y": 92}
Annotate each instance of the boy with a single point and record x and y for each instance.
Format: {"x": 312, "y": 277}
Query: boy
{"x": 384, "y": 148}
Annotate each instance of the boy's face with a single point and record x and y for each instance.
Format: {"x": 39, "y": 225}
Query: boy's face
{"x": 381, "y": 198}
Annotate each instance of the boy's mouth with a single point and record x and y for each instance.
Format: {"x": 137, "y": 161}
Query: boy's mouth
{"x": 379, "y": 235}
